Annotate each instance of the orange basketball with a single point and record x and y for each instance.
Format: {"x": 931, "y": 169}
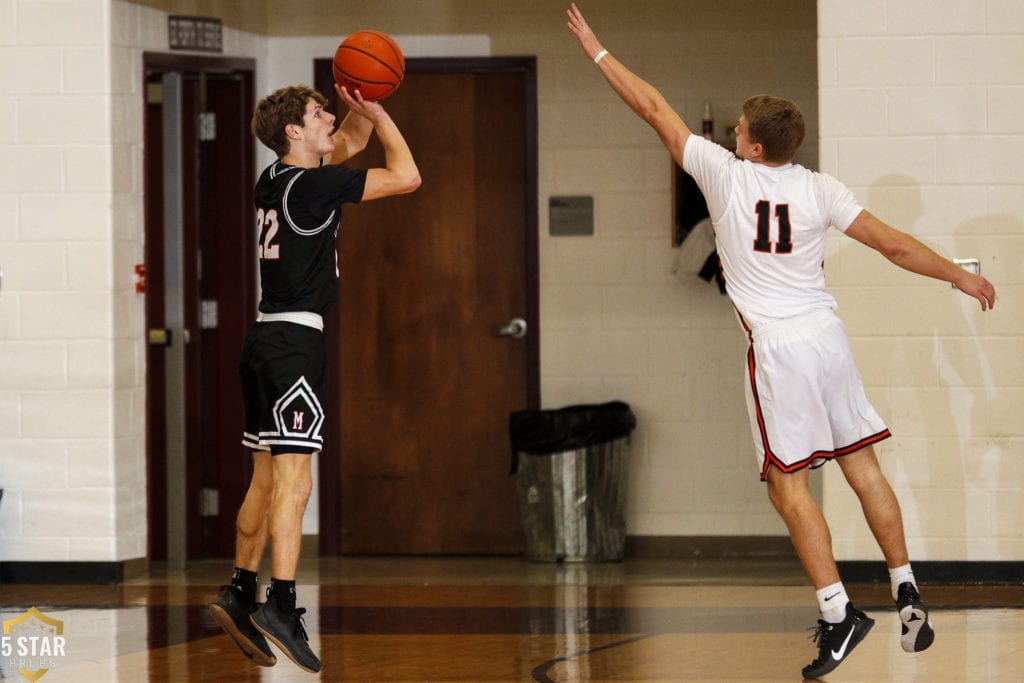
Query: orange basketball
{"x": 370, "y": 62}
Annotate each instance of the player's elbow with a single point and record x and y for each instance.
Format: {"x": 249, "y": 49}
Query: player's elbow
{"x": 894, "y": 249}
{"x": 647, "y": 109}
{"x": 402, "y": 182}
{"x": 388, "y": 182}
{"x": 896, "y": 253}
{"x": 410, "y": 181}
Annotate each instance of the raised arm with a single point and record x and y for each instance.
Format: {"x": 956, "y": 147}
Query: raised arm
{"x": 643, "y": 98}
{"x": 910, "y": 254}
{"x": 400, "y": 174}
{"x": 352, "y": 135}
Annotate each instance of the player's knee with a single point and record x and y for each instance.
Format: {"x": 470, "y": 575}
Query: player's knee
{"x": 787, "y": 495}
{"x": 297, "y": 489}
{"x": 303, "y": 490}
{"x": 864, "y": 475}
{"x": 777, "y": 498}
{"x": 292, "y": 476}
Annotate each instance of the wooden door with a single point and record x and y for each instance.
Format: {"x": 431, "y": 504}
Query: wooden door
{"x": 424, "y": 387}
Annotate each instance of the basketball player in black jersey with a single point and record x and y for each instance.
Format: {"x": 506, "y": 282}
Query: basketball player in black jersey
{"x": 298, "y": 210}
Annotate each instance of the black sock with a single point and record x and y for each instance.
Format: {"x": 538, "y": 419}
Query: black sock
{"x": 283, "y": 594}
{"x": 246, "y": 582}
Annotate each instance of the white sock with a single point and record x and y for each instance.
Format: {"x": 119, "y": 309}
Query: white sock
{"x": 832, "y": 601}
{"x": 898, "y": 575}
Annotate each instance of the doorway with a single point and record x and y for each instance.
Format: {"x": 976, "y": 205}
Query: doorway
{"x": 200, "y": 298}
{"x": 428, "y": 362}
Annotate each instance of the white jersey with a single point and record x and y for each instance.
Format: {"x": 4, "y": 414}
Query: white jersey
{"x": 770, "y": 225}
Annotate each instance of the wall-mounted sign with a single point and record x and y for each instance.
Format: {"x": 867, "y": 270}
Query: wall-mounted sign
{"x": 203, "y": 34}
{"x": 571, "y": 215}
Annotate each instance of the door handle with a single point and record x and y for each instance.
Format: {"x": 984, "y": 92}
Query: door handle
{"x": 160, "y": 336}
{"x": 516, "y": 329}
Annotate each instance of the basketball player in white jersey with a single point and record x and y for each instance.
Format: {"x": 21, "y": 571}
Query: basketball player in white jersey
{"x": 804, "y": 395}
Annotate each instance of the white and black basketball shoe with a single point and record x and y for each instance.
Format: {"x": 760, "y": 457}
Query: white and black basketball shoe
{"x": 918, "y": 633}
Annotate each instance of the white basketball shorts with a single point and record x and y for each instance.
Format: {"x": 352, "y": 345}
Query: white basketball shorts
{"x": 804, "y": 395}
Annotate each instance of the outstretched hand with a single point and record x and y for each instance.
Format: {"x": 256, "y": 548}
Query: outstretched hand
{"x": 978, "y": 287}
{"x": 578, "y": 25}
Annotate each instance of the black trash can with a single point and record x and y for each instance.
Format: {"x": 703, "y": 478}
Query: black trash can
{"x": 571, "y": 466}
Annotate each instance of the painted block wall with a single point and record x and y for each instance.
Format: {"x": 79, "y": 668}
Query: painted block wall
{"x": 920, "y": 115}
{"x": 930, "y": 149}
{"x": 616, "y": 324}
{"x": 71, "y": 423}
{"x": 72, "y": 354}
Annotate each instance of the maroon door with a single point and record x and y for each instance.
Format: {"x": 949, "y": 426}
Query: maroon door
{"x": 218, "y": 290}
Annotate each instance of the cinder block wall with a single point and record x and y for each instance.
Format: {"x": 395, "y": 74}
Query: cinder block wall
{"x": 920, "y": 114}
{"x": 929, "y": 142}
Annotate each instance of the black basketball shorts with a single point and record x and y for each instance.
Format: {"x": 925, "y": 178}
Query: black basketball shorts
{"x": 282, "y": 374}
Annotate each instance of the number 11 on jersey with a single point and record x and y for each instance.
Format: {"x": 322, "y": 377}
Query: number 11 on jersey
{"x": 763, "y": 242}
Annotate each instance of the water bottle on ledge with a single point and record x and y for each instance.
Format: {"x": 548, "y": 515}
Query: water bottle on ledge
{"x": 707, "y": 125}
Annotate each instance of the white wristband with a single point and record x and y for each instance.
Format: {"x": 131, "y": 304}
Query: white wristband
{"x": 599, "y": 56}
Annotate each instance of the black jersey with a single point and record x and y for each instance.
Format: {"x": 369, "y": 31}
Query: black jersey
{"x": 298, "y": 211}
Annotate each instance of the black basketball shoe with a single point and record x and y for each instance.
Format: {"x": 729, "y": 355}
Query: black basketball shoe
{"x": 917, "y": 627}
{"x": 287, "y": 632}
{"x": 836, "y": 641}
{"x": 232, "y": 612}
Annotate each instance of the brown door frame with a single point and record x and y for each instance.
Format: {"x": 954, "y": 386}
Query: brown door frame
{"x": 329, "y": 467}
{"x": 156, "y": 460}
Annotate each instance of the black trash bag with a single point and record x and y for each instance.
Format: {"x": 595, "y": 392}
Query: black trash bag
{"x": 543, "y": 432}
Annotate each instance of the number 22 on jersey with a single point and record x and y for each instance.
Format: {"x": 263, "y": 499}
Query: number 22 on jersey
{"x": 269, "y": 247}
{"x": 267, "y": 225}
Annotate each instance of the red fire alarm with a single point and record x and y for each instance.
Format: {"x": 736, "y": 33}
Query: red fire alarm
{"x": 140, "y": 278}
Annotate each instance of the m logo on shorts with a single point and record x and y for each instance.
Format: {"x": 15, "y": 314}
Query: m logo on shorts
{"x": 292, "y": 409}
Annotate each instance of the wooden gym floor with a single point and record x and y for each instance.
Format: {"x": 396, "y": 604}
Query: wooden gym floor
{"x": 503, "y": 619}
